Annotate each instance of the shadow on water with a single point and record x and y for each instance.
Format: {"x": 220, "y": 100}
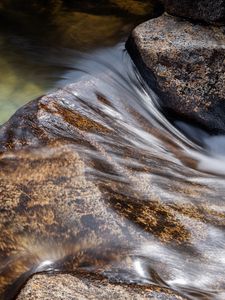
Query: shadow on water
{"x": 121, "y": 192}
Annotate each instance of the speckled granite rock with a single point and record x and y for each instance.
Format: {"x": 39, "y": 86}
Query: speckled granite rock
{"x": 185, "y": 65}
{"x": 211, "y": 11}
{"x": 59, "y": 209}
{"x": 67, "y": 287}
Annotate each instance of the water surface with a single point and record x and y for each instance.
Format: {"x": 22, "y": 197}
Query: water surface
{"x": 161, "y": 185}
{"x": 36, "y": 41}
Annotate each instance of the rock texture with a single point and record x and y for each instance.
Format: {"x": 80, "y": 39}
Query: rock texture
{"x": 88, "y": 287}
{"x": 64, "y": 200}
{"x": 209, "y": 11}
{"x": 66, "y": 205}
{"x": 185, "y": 65}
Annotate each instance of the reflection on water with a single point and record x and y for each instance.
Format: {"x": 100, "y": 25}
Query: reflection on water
{"x": 36, "y": 35}
{"x": 126, "y": 194}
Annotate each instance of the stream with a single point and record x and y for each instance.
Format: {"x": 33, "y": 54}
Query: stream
{"x": 164, "y": 180}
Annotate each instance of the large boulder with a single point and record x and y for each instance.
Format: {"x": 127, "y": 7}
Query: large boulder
{"x": 184, "y": 64}
{"x": 88, "y": 182}
{"x": 209, "y": 11}
{"x": 80, "y": 190}
{"x": 64, "y": 204}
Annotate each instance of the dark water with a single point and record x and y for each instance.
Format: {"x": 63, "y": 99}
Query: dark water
{"x": 37, "y": 39}
{"x": 176, "y": 168}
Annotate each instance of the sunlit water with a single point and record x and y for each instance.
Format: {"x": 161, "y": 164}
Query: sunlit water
{"x": 152, "y": 164}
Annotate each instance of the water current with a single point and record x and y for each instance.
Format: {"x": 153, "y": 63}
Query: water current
{"x": 163, "y": 181}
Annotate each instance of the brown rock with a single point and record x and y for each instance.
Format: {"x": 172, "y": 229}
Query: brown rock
{"x": 83, "y": 286}
{"x": 185, "y": 65}
{"x": 68, "y": 203}
{"x": 52, "y": 208}
{"x": 209, "y": 11}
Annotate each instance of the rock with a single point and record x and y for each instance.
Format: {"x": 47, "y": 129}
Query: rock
{"x": 209, "y": 11}
{"x": 84, "y": 286}
{"x": 80, "y": 190}
{"x": 59, "y": 210}
{"x": 184, "y": 63}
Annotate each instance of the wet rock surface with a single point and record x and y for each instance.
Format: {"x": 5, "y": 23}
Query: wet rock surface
{"x": 56, "y": 211}
{"x": 80, "y": 190}
{"x": 53, "y": 210}
{"x": 184, "y": 64}
{"x": 209, "y": 11}
{"x": 83, "y": 286}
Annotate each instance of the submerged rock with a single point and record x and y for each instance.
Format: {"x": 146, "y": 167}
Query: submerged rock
{"x": 209, "y": 11}
{"x": 184, "y": 63}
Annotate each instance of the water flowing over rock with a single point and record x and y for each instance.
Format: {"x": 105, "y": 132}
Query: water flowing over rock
{"x": 185, "y": 64}
{"x": 58, "y": 217}
{"x": 87, "y": 287}
{"x": 209, "y": 11}
{"x": 100, "y": 196}
{"x": 91, "y": 181}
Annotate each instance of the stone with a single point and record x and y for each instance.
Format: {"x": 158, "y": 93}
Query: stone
{"x": 184, "y": 64}
{"x": 88, "y": 287}
{"x": 76, "y": 194}
{"x": 209, "y": 11}
{"x": 57, "y": 213}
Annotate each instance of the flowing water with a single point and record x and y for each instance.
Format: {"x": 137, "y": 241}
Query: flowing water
{"x": 36, "y": 40}
{"x": 161, "y": 185}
